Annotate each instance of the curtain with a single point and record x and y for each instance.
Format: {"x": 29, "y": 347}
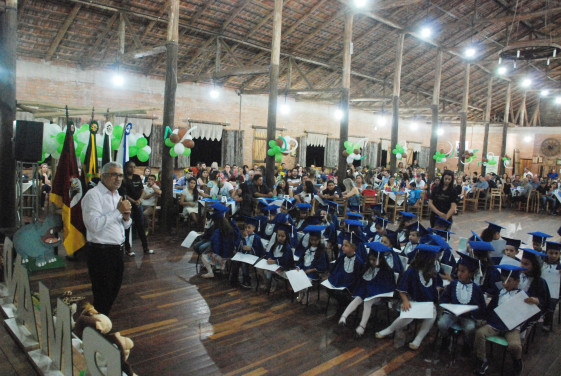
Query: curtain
{"x": 207, "y": 131}
{"x": 424, "y": 157}
{"x": 315, "y": 139}
{"x": 413, "y": 146}
{"x": 142, "y": 126}
{"x": 371, "y": 154}
{"x": 332, "y": 152}
{"x": 232, "y": 147}
{"x": 386, "y": 144}
{"x": 302, "y": 145}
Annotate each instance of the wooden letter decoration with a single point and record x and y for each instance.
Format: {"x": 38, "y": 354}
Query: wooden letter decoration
{"x": 94, "y": 343}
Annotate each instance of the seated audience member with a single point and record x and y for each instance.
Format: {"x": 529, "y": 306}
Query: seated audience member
{"x": 219, "y": 187}
{"x": 189, "y": 200}
{"x": 293, "y": 179}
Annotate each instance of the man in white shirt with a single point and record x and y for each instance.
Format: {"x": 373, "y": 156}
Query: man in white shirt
{"x": 151, "y": 194}
{"x": 106, "y": 216}
{"x": 293, "y": 179}
{"x": 420, "y": 183}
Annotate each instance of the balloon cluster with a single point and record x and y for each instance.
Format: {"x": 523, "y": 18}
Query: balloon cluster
{"x": 352, "y": 151}
{"x": 469, "y": 156}
{"x": 399, "y": 152}
{"x": 280, "y": 146}
{"x": 507, "y": 161}
{"x": 179, "y": 141}
{"x": 53, "y": 141}
{"x": 490, "y": 160}
{"x": 439, "y": 156}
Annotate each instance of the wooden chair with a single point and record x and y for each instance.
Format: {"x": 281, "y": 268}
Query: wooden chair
{"x": 400, "y": 203}
{"x": 366, "y": 203}
{"x": 460, "y": 206}
{"x": 343, "y": 205}
{"x": 533, "y": 203}
{"x": 483, "y": 201}
{"x": 153, "y": 225}
{"x": 495, "y": 196}
{"x": 471, "y": 198}
{"x": 417, "y": 209}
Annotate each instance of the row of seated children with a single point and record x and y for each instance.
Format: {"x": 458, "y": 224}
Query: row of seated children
{"x": 368, "y": 260}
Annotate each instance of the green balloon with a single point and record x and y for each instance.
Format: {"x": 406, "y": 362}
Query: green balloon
{"x": 270, "y": 152}
{"x": 115, "y": 144}
{"x": 172, "y": 153}
{"x": 277, "y": 149}
{"x": 99, "y": 150}
{"x": 169, "y": 143}
{"x": 348, "y": 145}
{"x": 142, "y": 155}
{"x": 141, "y": 142}
{"x": 133, "y": 151}
{"x": 272, "y": 144}
{"x": 187, "y": 152}
{"x": 60, "y": 137}
{"x": 59, "y": 148}
{"x": 84, "y": 128}
{"x": 117, "y": 131}
{"x": 278, "y": 157}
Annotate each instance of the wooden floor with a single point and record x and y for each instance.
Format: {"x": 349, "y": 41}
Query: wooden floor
{"x": 184, "y": 325}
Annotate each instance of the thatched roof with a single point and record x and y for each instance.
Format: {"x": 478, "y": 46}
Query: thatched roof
{"x": 86, "y": 33}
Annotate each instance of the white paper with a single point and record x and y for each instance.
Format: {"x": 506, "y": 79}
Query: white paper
{"x": 383, "y": 295}
{"x": 189, "y": 239}
{"x": 404, "y": 261}
{"x": 265, "y": 243}
{"x": 246, "y": 258}
{"x": 298, "y": 280}
{"x": 262, "y": 264}
{"x": 463, "y": 244}
{"x": 445, "y": 269}
{"x": 515, "y": 311}
{"x": 419, "y": 310}
{"x": 328, "y": 285}
{"x": 509, "y": 261}
{"x": 445, "y": 282}
{"x": 458, "y": 309}
{"x": 498, "y": 246}
{"x": 553, "y": 279}
{"x": 558, "y": 196}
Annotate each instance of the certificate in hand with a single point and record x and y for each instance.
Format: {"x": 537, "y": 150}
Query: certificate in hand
{"x": 458, "y": 309}
{"x": 262, "y": 264}
{"x": 419, "y": 310}
{"x": 553, "y": 279}
{"x": 328, "y": 285}
{"x": 246, "y": 258}
{"x": 298, "y": 280}
{"x": 515, "y": 311}
{"x": 189, "y": 239}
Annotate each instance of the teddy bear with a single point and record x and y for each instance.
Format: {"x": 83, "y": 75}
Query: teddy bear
{"x": 124, "y": 344}
{"x": 92, "y": 318}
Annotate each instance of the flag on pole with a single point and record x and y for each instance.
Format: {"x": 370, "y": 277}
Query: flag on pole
{"x": 123, "y": 151}
{"x": 90, "y": 162}
{"x": 106, "y": 157}
{"x": 67, "y": 194}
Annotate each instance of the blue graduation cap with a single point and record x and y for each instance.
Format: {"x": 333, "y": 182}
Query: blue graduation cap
{"x": 381, "y": 221}
{"x": 332, "y": 205}
{"x": 353, "y": 215}
{"x": 480, "y": 247}
{"x": 304, "y": 206}
{"x": 352, "y": 222}
{"x": 252, "y": 221}
{"x": 353, "y": 238}
{"x": 439, "y": 241}
{"x": 441, "y": 222}
{"x": 529, "y": 253}
{"x": 471, "y": 263}
{"x": 378, "y": 247}
{"x": 418, "y": 227}
{"x": 271, "y": 208}
{"x": 494, "y": 227}
{"x": 513, "y": 242}
{"x": 427, "y": 249}
{"x": 508, "y": 270}
{"x": 314, "y": 230}
{"x": 286, "y": 228}
{"x": 443, "y": 233}
{"x": 552, "y": 246}
{"x": 539, "y": 237}
{"x": 408, "y": 216}
{"x": 219, "y": 210}
{"x": 313, "y": 220}
{"x": 475, "y": 237}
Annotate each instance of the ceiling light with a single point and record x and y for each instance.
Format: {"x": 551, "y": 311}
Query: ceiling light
{"x": 285, "y": 109}
{"x": 528, "y": 138}
{"x": 214, "y": 93}
{"x": 502, "y": 70}
{"x": 544, "y": 93}
{"x": 118, "y": 80}
{"x": 360, "y": 3}
{"x": 526, "y": 82}
{"x": 440, "y": 131}
{"x": 414, "y": 126}
{"x": 338, "y": 114}
{"x": 382, "y": 121}
{"x": 470, "y": 52}
{"x": 557, "y": 100}
{"x": 426, "y": 32}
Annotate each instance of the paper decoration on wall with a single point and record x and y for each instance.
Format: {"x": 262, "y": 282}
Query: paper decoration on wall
{"x": 353, "y": 150}
{"x": 179, "y": 141}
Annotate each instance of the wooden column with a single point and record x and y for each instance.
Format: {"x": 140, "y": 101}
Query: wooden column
{"x": 463, "y": 119}
{"x": 344, "y": 104}
{"x": 172, "y": 45}
{"x": 274, "y": 88}
{"x": 435, "y": 108}
{"x": 8, "y": 48}
{"x": 522, "y": 109}
{"x": 487, "y": 121}
{"x": 395, "y": 98}
{"x": 505, "y": 127}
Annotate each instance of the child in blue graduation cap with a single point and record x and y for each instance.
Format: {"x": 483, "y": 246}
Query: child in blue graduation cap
{"x": 551, "y": 268}
{"x": 462, "y": 291}
{"x": 416, "y": 232}
{"x": 538, "y": 240}
{"x": 268, "y": 228}
{"x": 303, "y": 213}
{"x": 375, "y": 230}
{"x": 250, "y": 244}
{"x": 346, "y": 270}
{"x": 417, "y": 284}
{"x": 407, "y": 220}
{"x": 531, "y": 280}
{"x": 280, "y": 253}
{"x": 444, "y": 257}
{"x": 511, "y": 247}
{"x": 223, "y": 241}
{"x": 510, "y": 277}
{"x": 486, "y": 276}
{"x": 354, "y": 228}
{"x": 314, "y": 259}
{"x": 377, "y": 279}
{"x": 441, "y": 224}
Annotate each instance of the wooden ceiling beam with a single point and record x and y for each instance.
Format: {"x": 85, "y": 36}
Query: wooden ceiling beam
{"x": 62, "y": 31}
{"x": 314, "y": 33}
{"x": 101, "y": 37}
{"x": 235, "y": 14}
{"x": 518, "y": 17}
{"x": 198, "y": 53}
{"x": 389, "y": 4}
{"x": 132, "y": 33}
{"x": 299, "y": 21}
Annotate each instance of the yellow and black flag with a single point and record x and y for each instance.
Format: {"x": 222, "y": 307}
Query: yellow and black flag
{"x": 67, "y": 194}
{"x": 90, "y": 162}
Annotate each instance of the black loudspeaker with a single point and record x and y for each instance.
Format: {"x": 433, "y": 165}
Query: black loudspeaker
{"x": 29, "y": 141}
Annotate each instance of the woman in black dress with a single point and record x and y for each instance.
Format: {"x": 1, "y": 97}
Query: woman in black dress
{"x": 443, "y": 198}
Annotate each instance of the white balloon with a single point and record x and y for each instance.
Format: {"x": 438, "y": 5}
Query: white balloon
{"x": 443, "y": 160}
{"x": 179, "y": 149}
{"x": 55, "y": 155}
{"x": 350, "y": 159}
{"x": 398, "y": 155}
{"x": 83, "y": 137}
{"x": 98, "y": 140}
{"x": 147, "y": 149}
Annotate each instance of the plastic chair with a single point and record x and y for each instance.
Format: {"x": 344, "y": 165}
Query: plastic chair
{"x": 501, "y": 341}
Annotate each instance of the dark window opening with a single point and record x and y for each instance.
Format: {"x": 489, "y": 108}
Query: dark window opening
{"x": 315, "y": 155}
{"x": 384, "y": 158}
{"x": 206, "y": 151}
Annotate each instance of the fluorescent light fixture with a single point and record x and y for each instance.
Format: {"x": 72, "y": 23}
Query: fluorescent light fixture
{"x": 414, "y": 126}
{"x": 284, "y": 109}
{"x": 338, "y": 114}
{"x": 544, "y": 93}
{"x": 470, "y": 52}
{"x": 382, "y": 121}
{"x": 360, "y": 3}
{"x": 214, "y": 93}
{"x": 118, "y": 80}
{"x": 440, "y": 131}
{"x": 501, "y": 70}
{"x": 526, "y": 82}
{"x": 426, "y": 32}
{"x": 528, "y": 139}
{"x": 557, "y": 100}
